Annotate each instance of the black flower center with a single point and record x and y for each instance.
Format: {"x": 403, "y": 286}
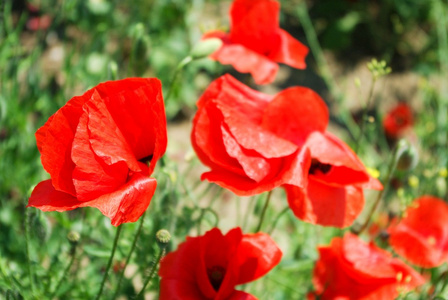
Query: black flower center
{"x": 318, "y": 166}
{"x": 216, "y": 276}
{"x": 146, "y": 160}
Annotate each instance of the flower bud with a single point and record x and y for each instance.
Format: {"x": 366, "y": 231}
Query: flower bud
{"x": 205, "y": 47}
{"x": 73, "y": 237}
{"x": 407, "y": 156}
{"x": 163, "y": 237}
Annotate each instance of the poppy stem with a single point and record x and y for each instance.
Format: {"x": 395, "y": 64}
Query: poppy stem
{"x": 128, "y": 258}
{"x": 66, "y": 270}
{"x": 263, "y": 212}
{"x": 364, "y": 116}
{"x": 179, "y": 68}
{"x": 109, "y": 264}
{"x": 28, "y": 252}
{"x": 284, "y": 211}
{"x": 390, "y": 171}
{"x": 151, "y": 272}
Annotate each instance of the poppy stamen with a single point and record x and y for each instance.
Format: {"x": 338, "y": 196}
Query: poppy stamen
{"x": 318, "y": 166}
{"x": 216, "y": 276}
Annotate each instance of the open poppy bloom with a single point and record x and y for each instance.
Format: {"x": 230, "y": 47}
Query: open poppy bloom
{"x": 231, "y": 134}
{"x": 398, "y": 120}
{"x": 255, "y": 142}
{"x": 421, "y": 237}
{"x": 210, "y": 266}
{"x": 351, "y": 269}
{"x": 256, "y": 43}
{"x": 335, "y": 178}
{"x": 100, "y": 149}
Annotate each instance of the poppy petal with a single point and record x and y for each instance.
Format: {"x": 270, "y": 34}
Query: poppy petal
{"x": 244, "y": 60}
{"x": 295, "y": 113}
{"x": 240, "y": 295}
{"x": 127, "y": 203}
{"x": 243, "y": 109}
{"x": 290, "y": 51}
{"x": 91, "y": 176}
{"x": 174, "y": 289}
{"x": 55, "y": 142}
{"x": 325, "y": 205}
{"x": 421, "y": 237}
{"x": 47, "y": 198}
{"x": 143, "y": 122}
{"x": 255, "y": 24}
{"x": 257, "y": 255}
{"x": 104, "y": 136}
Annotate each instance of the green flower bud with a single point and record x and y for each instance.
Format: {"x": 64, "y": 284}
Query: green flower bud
{"x": 163, "y": 237}
{"x": 205, "y": 47}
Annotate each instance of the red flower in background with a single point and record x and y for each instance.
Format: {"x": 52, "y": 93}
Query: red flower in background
{"x": 100, "y": 149}
{"x": 210, "y": 266}
{"x": 256, "y": 43}
{"x": 231, "y": 134}
{"x": 398, "y": 120}
{"x": 351, "y": 269}
{"x": 421, "y": 237}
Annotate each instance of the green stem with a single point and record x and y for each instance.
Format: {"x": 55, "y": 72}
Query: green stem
{"x": 263, "y": 212}
{"x": 109, "y": 264}
{"x": 364, "y": 116}
{"x": 66, "y": 270}
{"x": 179, "y": 68}
{"x": 284, "y": 211}
{"x": 249, "y": 210}
{"x": 151, "y": 273}
{"x": 128, "y": 258}
{"x": 389, "y": 173}
{"x": 28, "y": 252}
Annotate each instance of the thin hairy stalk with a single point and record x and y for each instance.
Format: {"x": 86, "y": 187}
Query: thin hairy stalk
{"x": 109, "y": 264}
{"x": 263, "y": 212}
{"x": 151, "y": 273}
{"x": 65, "y": 273}
{"x": 364, "y": 116}
{"x": 284, "y": 211}
{"x": 28, "y": 251}
{"x": 128, "y": 258}
{"x": 390, "y": 171}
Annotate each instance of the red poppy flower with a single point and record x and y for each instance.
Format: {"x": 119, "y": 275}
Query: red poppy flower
{"x": 254, "y": 143}
{"x": 231, "y": 134}
{"x": 398, "y": 120}
{"x": 351, "y": 269}
{"x": 210, "y": 266}
{"x": 333, "y": 191}
{"x": 421, "y": 237}
{"x": 100, "y": 149}
{"x": 256, "y": 43}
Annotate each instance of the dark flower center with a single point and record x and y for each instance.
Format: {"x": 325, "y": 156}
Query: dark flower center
{"x": 216, "y": 275}
{"x": 318, "y": 166}
{"x": 146, "y": 160}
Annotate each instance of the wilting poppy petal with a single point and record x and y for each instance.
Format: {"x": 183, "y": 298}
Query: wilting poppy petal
{"x": 421, "y": 237}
